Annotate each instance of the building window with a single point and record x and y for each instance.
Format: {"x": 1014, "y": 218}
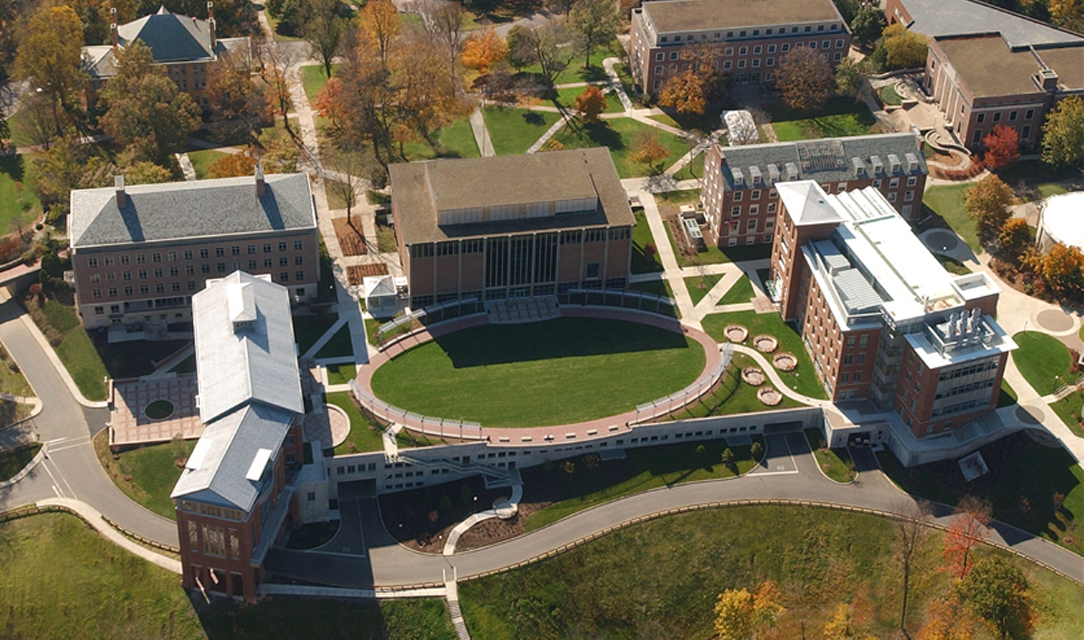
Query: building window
{"x": 284, "y": 277}
{"x": 221, "y": 267}
{"x": 785, "y": 47}
{"x": 220, "y": 252}
{"x": 770, "y": 62}
{"x": 997, "y": 116}
{"x": 188, "y": 254}
{"x": 592, "y": 270}
{"x": 912, "y": 181}
{"x": 282, "y": 246}
{"x": 726, "y": 64}
{"x": 660, "y": 56}
{"x": 839, "y": 44}
{"x": 283, "y": 261}
{"x": 741, "y": 64}
{"x": 827, "y": 44}
{"x": 204, "y": 253}
{"x": 92, "y": 262}
{"x": 235, "y": 250}
{"x": 981, "y": 118}
{"x": 771, "y": 48}
{"x": 894, "y": 183}
{"x": 1026, "y": 133}
{"x": 735, "y": 211}
{"x": 673, "y": 55}
{"x": 756, "y": 62}
{"x": 756, "y": 50}
{"x": 96, "y": 293}
{"x": 191, "y": 285}
{"x": 160, "y": 288}
{"x": 909, "y": 196}
{"x": 743, "y": 51}
{"x": 1029, "y": 114}
{"x": 158, "y": 272}
{"x": 300, "y": 275}
{"x": 837, "y": 56}
{"x": 892, "y": 196}
{"x": 813, "y": 44}
{"x": 298, "y": 245}
{"x": 214, "y": 540}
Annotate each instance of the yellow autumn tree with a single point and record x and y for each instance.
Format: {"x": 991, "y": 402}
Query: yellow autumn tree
{"x": 740, "y": 615}
{"x": 483, "y": 50}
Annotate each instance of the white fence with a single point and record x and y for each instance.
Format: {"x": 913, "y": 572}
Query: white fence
{"x": 679, "y": 399}
{"x": 443, "y": 427}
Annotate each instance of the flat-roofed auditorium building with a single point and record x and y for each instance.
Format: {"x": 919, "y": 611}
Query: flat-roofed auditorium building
{"x": 513, "y": 226}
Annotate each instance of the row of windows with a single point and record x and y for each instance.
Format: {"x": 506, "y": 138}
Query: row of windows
{"x": 1028, "y": 115}
{"x": 191, "y": 285}
{"x": 959, "y": 372}
{"x": 576, "y": 236}
{"x": 747, "y": 33}
{"x": 966, "y": 388}
{"x": 190, "y": 269}
{"x": 978, "y": 134}
{"x": 188, "y": 254}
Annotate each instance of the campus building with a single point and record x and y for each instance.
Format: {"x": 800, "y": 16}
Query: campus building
{"x": 988, "y": 66}
{"x": 139, "y": 253}
{"x": 511, "y": 226}
{"x": 240, "y": 485}
{"x": 880, "y": 317}
{"x": 186, "y": 47}
{"x": 741, "y": 200}
{"x": 750, "y": 36}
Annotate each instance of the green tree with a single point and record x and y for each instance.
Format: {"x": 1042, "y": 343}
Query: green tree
{"x": 145, "y": 110}
{"x": 595, "y": 23}
{"x": 849, "y": 79}
{"x": 805, "y": 79}
{"x": 49, "y": 56}
{"x": 901, "y": 49}
{"x": 466, "y": 496}
{"x": 728, "y": 457}
{"x": 1063, "y": 134}
{"x": 756, "y": 450}
{"x": 521, "y": 44}
{"x": 68, "y": 165}
{"x": 445, "y": 505}
{"x": 147, "y": 173}
{"x": 323, "y": 29}
{"x": 988, "y": 203}
{"x": 997, "y": 591}
{"x": 868, "y": 24}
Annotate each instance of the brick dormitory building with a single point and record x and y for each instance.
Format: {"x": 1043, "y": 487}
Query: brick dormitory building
{"x": 511, "y": 226}
{"x": 741, "y": 200}
{"x": 880, "y": 317}
{"x": 750, "y": 35}
{"x": 139, "y": 253}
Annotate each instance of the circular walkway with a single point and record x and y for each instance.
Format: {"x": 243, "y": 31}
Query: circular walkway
{"x": 1054, "y": 321}
{"x": 598, "y": 428}
{"x": 330, "y": 428}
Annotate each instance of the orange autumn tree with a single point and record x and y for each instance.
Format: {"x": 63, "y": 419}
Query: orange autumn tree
{"x": 1002, "y": 147}
{"x": 482, "y": 51}
{"x": 590, "y": 104}
{"x": 968, "y": 529}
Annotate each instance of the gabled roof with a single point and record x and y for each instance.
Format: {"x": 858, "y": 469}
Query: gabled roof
{"x": 232, "y": 457}
{"x": 200, "y": 208}
{"x": 672, "y": 16}
{"x": 171, "y": 37}
{"x": 806, "y": 203}
{"x": 245, "y": 350}
{"x": 963, "y": 17}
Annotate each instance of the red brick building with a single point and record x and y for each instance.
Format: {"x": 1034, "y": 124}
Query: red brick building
{"x": 750, "y": 36}
{"x": 739, "y": 194}
{"x": 139, "y": 253}
{"x": 915, "y": 340}
{"x": 511, "y": 226}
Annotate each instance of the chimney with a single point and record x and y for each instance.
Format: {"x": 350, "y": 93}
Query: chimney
{"x": 261, "y": 186}
{"x": 211, "y": 28}
{"x": 122, "y": 196}
{"x": 113, "y": 33}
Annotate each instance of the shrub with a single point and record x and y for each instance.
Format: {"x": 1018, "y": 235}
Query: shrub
{"x": 445, "y": 505}
{"x": 757, "y": 450}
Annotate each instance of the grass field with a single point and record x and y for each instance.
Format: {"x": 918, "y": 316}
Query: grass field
{"x": 341, "y": 373}
{"x": 1023, "y": 479}
{"x": 577, "y": 72}
{"x": 309, "y": 329}
{"x": 839, "y": 117}
{"x": 76, "y": 351}
{"x": 699, "y": 286}
{"x": 741, "y": 291}
{"x": 313, "y": 78}
{"x": 107, "y": 593}
{"x": 1068, "y": 409}
{"x": 17, "y": 196}
{"x": 364, "y": 435}
{"x": 646, "y": 468}
{"x": 513, "y": 130}
{"x": 135, "y": 358}
{"x": 619, "y": 135}
{"x": 641, "y": 237}
{"x": 948, "y": 202}
{"x": 660, "y": 579}
{"x": 11, "y": 378}
{"x": 1043, "y": 360}
{"x": 147, "y": 474}
{"x": 692, "y": 171}
{"x": 12, "y": 461}
{"x": 1007, "y": 397}
{"x": 202, "y": 160}
{"x": 836, "y": 463}
{"x": 732, "y": 396}
{"x": 803, "y": 379}
{"x": 559, "y": 371}
{"x": 338, "y": 346}
{"x": 889, "y": 96}
{"x": 456, "y": 140}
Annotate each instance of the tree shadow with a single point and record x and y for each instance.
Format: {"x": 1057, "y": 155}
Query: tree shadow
{"x": 534, "y": 118}
{"x": 601, "y": 134}
{"x": 12, "y": 166}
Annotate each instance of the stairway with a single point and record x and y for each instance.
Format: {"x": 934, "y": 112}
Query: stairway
{"x": 495, "y": 478}
{"x": 520, "y": 310}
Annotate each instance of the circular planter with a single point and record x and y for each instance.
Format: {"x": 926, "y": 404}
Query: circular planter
{"x": 769, "y": 396}
{"x": 785, "y": 362}
{"x": 159, "y": 410}
{"x": 753, "y": 376}
{"x": 765, "y": 343}
{"x": 736, "y": 333}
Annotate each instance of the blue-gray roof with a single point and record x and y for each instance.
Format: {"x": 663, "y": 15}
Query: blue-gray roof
{"x": 963, "y": 17}
{"x": 200, "y": 208}
{"x": 171, "y": 37}
{"x": 824, "y": 160}
{"x": 244, "y": 346}
{"x": 230, "y": 464}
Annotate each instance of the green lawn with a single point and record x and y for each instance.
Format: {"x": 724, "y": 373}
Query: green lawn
{"x": 646, "y": 468}
{"x": 1023, "y": 479}
{"x": 577, "y": 72}
{"x": 836, "y": 463}
{"x": 146, "y": 474}
{"x": 203, "y": 159}
{"x": 456, "y": 141}
{"x": 619, "y": 135}
{"x": 699, "y": 286}
{"x": 1043, "y": 360}
{"x": 12, "y": 461}
{"x": 889, "y": 96}
{"x": 11, "y": 378}
{"x": 660, "y": 579}
{"x": 740, "y": 291}
{"x": 692, "y": 171}
{"x": 514, "y": 130}
{"x": 364, "y": 435}
{"x": 804, "y": 378}
{"x": 1048, "y": 189}
{"x": 1007, "y": 397}
{"x": 76, "y": 351}
{"x": 948, "y": 202}
{"x": 17, "y": 196}
{"x": 840, "y": 116}
{"x": 641, "y": 237}
{"x": 732, "y": 396}
{"x": 559, "y": 371}
{"x": 665, "y": 119}
{"x": 108, "y": 593}
{"x": 341, "y": 373}
{"x": 135, "y": 358}
{"x": 385, "y": 239}
{"x": 952, "y": 265}
{"x": 313, "y": 79}
{"x": 567, "y": 97}
{"x": 1068, "y": 409}
{"x": 309, "y": 329}
{"x": 338, "y": 346}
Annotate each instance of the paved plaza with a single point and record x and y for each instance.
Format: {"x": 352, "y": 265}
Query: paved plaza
{"x": 129, "y": 422}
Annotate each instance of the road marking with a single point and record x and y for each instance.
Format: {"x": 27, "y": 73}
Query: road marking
{"x": 776, "y": 473}
{"x": 70, "y": 445}
{"x": 48, "y": 462}
{"x": 45, "y": 465}
{"x": 57, "y": 491}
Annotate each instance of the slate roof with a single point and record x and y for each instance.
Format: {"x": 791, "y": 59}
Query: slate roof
{"x": 253, "y": 360}
{"x": 824, "y": 160}
{"x": 670, "y": 16}
{"x": 200, "y": 208}
{"x": 418, "y": 187}
{"x": 962, "y": 17}
{"x": 217, "y": 472}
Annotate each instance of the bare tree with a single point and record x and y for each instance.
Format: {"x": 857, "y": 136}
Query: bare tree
{"x": 911, "y": 531}
{"x": 444, "y": 19}
{"x": 551, "y": 56}
{"x": 348, "y": 168}
{"x": 323, "y": 30}
{"x": 275, "y": 63}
